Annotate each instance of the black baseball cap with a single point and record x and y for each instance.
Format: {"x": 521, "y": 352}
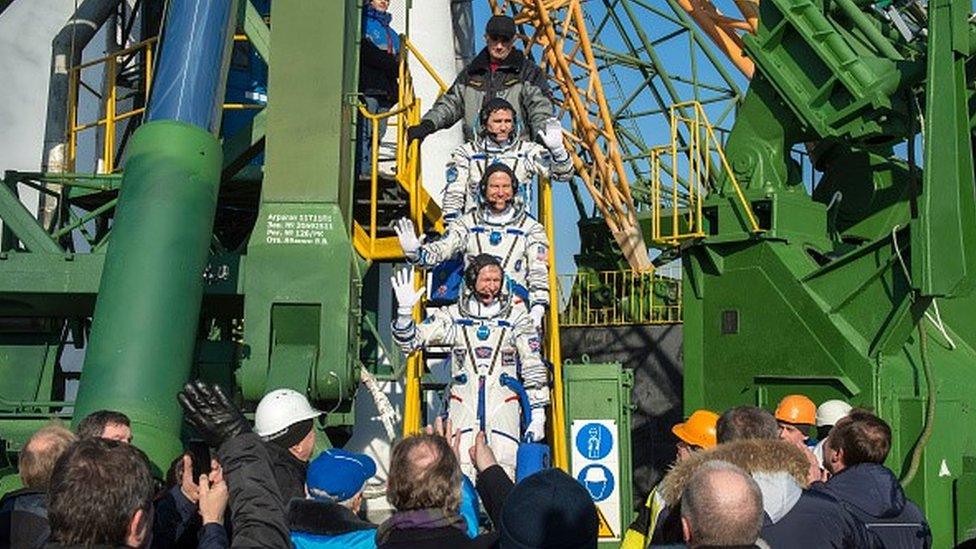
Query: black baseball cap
{"x": 501, "y": 25}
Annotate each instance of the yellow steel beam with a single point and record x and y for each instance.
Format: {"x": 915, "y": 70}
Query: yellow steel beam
{"x": 557, "y": 407}
{"x": 566, "y": 45}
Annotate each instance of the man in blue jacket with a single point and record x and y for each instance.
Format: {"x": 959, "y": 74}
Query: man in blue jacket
{"x": 854, "y": 455}
{"x": 329, "y": 518}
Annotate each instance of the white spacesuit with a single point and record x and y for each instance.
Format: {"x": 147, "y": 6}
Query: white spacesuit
{"x": 491, "y": 338}
{"x": 498, "y": 141}
{"x": 499, "y": 227}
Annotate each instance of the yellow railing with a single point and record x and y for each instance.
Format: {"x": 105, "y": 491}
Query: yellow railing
{"x": 557, "y": 407}
{"x": 108, "y": 105}
{"x": 701, "y": 160}
{"x": 110, "y": 116}
{"x": 616, "y": 298}
{"x": 422, "y": 207}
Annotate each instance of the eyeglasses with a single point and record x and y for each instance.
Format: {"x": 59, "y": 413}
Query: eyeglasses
{"x": 500, "y": 38}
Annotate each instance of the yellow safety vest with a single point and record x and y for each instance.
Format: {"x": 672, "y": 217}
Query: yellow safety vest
{"x": 635, "y": 538}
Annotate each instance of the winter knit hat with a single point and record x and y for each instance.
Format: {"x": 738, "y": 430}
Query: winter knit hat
{"x": 548, "y": 509}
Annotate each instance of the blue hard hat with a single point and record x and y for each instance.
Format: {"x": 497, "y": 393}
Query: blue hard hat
{"x": 338, "y": 474}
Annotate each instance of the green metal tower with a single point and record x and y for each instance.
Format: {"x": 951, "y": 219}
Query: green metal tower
{"x": 859, "y": 290}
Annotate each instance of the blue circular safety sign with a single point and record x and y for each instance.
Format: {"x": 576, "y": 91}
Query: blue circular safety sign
{"x": 598, "y": 481}
{"x": 594, "y": 441}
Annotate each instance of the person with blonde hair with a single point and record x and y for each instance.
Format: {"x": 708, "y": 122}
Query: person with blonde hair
{"x": 23, "y": 512}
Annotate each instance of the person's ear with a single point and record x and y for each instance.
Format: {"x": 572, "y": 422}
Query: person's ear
{"x": 686, "y": 529}
{"x": 138, "y": 532}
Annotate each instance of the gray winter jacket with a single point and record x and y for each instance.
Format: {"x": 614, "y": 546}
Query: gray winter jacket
{"x": 517, "y": 80}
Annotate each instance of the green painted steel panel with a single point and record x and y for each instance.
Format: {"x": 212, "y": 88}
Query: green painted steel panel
{"x": 301, "y": 304}
{"x": 601, "y": 392}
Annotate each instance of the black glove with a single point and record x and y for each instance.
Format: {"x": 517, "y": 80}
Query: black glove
{"x": 420, "y": 131}
{"x": 211, "y": 413}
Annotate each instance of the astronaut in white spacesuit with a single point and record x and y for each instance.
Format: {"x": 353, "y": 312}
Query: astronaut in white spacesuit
{"x": 498, "y": 141}
{"x": 499, "y": 227}
{"x": 492, "y": 341}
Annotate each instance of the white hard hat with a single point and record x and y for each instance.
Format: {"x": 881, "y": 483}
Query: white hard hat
{"x": 831, "y": 411}
{"x": 281, "y": 409}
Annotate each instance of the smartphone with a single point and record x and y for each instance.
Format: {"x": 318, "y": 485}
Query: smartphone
{"x": 200, "y": 454}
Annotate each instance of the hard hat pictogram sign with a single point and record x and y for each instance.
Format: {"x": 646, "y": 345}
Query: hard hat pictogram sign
{"x": 598, "y": 480}
{"x": 596, "y": 465}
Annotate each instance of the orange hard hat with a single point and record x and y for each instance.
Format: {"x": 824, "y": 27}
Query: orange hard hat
{"x": 797, "y": 409}
{"x": 699, "y": 429}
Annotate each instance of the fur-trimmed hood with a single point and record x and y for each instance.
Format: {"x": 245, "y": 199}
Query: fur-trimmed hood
{"x": 753, "y": 456}
{"x": 323, "y": 518}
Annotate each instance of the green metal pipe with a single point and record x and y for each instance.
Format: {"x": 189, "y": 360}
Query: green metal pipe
{"x": 149, "y": 297}
{"x": 866, "y": 25}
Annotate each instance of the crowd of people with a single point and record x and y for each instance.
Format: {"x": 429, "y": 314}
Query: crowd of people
{"x": 745, "y": 478}
{"x": 818, "y": 472}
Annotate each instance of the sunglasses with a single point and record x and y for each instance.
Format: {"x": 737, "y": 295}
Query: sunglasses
{"x": 500, "y": 38}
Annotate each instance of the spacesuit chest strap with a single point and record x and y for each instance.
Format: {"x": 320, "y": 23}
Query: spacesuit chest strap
{"x": 494, "y": 358}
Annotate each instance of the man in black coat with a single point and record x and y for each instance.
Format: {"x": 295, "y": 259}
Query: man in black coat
{"x": 285, "y": 419}
{"x": 500, "y": 70}
{"x": 23, "y": 512}
{"x": 257, "y": 511}
{"x": 854, "y": 454}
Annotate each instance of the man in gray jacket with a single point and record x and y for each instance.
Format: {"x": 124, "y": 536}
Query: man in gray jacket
{"x": 500, "y": 70}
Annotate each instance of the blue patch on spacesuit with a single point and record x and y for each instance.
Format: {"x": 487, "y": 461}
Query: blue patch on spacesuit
{"x": 447, "y": 279}
{"x": 483, "y": 332}
{"x": 518, "y": 265}
{"x": 482, "y": 352}
{"x": 495, "y": 238}
{"x": 518, "y": 290}
{"x": 451, "y": 174}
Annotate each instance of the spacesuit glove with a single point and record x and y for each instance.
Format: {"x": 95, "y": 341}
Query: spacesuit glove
{"x": 552, "y": 137}
{"x": 215, "y": 417}
{"x": 537, "y": 312}
{"x": 407, "y": 295}
{"x": 536, "y": 430}
{"x": 407, "y": 236}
